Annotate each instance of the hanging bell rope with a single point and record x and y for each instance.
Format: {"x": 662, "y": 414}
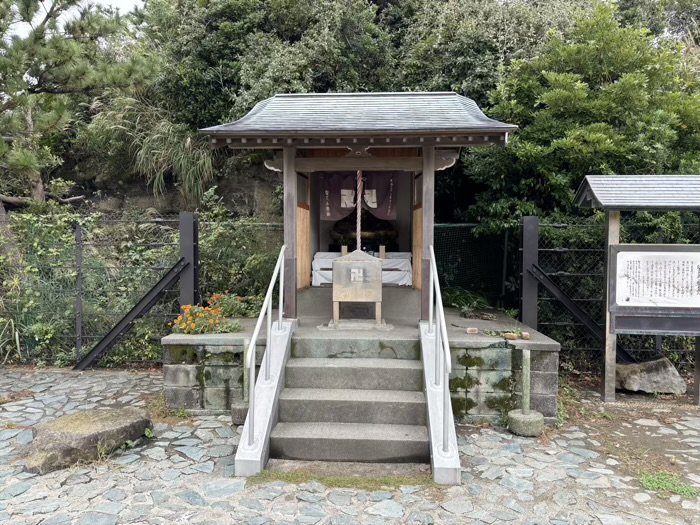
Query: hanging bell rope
{"x": 358, "y": 233}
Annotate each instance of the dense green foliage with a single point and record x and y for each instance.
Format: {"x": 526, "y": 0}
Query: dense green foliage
{"x": 90, "y": 100}
{"x": 121, "y": 259}
{"x": 601, "y": 99}
{"x": 92, "y": 96}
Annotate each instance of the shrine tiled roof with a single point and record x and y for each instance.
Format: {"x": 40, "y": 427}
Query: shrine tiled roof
{"x": 362, "y": 114}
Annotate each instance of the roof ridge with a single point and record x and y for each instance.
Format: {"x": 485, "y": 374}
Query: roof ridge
{"x": 369, "y": 93}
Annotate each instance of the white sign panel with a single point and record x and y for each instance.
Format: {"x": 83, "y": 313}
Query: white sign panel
{"x": 658, "y": 279}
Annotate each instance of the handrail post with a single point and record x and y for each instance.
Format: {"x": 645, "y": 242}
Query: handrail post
{"x": 281, "y": 298}
{"x": 445, "y": 419}
{"x": 431, "y": 300}
{"x": 266, "y": 357}
{"x": 251, "y": 398}
{"x": 438, "y": 351}
{"x": 265, "y": 312}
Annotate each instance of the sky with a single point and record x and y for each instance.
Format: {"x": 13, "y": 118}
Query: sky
{"x": 123, "y": 5}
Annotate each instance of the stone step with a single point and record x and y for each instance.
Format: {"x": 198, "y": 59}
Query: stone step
{"x": 350, "y": 442}
{"x": 332, "y": 344}
{"x": 305, "y": 405}
{"x": 363, "y": 374}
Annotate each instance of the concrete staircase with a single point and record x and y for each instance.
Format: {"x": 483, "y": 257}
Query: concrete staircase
{"x": 352, "y": 399}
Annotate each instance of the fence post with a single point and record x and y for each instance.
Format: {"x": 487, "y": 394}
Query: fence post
{"x": 78, "y": 291}
{"x": 530, "y": 238}
{"x": 189, "y": 250}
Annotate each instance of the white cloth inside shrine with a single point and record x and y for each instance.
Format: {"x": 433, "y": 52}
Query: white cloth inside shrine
{"x": 396, "y": 268}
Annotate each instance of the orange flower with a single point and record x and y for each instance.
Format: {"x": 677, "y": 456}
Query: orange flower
{"x": 211, "y": 321}
{"x": 193, "y": 326}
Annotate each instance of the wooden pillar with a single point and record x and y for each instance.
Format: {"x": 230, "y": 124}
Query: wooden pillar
{"x": 612, "y": 236}
{"x": 696, "y": 373}
{"x": 290, "y": 232}
{"x": 428, "y": 220}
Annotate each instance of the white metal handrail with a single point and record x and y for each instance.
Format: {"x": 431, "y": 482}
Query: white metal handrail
{"x": 443, "y": 360}
{"x": 265, "y": 312}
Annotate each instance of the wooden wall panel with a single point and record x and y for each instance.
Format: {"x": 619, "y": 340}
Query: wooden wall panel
{"x": 417, "y": 246}
{"x": 303, "y": 247}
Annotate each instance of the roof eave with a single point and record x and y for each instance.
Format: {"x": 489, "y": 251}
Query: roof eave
{"x": 354, "y": 133}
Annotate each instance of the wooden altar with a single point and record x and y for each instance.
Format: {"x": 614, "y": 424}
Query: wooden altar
{"x": 415, "y": 134}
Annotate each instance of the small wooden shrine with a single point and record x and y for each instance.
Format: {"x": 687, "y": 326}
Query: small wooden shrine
{"x": 396, "y": 141}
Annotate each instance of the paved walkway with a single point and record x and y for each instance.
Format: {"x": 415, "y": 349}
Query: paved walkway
{"x": 183, "y": 475}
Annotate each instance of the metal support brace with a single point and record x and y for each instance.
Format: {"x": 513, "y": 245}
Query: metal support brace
{"x": 78, "y": 291}
{"x": 141, "y": 308}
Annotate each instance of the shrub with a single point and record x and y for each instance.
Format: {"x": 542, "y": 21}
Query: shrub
{"x": 203, "y": 320}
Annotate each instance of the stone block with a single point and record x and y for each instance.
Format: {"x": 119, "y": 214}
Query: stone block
{"x": 546, "y": 383}
{"x": 457, "y": 379}
{"x": 221, "y": 398}
{"x": 459, "y": 405}
{"x": 498, "y": 381}
{"x": 489, "y": 403}
{"x": 223, "y": 349}
{"x": 546, "y": 404}
{"x": 488, "y": 358}
{"x": 239, "y": 411}
{"x": 222, "y": 376}
{"x": 182, "y": 354}
{"x": 176, "y": 397}
{"x": 485, "y": 358}
{"x": 234, "y": 357}
{"x": 540, "y": 361}
{"x": 83, "y": 436}
{"x": 180, "y": 375}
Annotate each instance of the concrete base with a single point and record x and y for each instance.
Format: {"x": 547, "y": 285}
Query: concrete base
{"x": 447, "y": 469}
{"x": 526, "y": 425}
{"x": 252, "y": 457}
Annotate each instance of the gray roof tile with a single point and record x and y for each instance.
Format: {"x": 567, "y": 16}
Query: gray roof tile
{"x": 640, "y": 192}
{"x": 333, "y": 114}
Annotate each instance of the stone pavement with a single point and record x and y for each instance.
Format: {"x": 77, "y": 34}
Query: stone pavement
{"x": 183, "y": 475}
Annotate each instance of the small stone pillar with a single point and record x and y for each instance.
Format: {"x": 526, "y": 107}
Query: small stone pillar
{"x": 522, "y": 421}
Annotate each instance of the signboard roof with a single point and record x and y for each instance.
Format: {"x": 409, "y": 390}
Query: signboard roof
{"x": 640, "y": 192}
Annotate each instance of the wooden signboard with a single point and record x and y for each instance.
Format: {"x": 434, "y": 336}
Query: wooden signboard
{"x": 655, "y": 289}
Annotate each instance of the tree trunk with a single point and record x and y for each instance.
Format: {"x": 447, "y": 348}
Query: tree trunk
{"x": 36, "y": 184}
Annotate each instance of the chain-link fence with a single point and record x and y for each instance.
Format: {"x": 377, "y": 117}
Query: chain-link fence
{"x": 573, "y": 257}
{"x": 67, "y": 279}
{"x": 476, "y": 262}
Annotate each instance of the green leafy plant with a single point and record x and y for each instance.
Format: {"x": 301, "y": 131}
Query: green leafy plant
{"x": 466, "y": 301}
{"x": 149, "y": 433}
{"x": 667, "y": 482}
{"x": 233, "y": 305}
{"x": 182, "y": 413}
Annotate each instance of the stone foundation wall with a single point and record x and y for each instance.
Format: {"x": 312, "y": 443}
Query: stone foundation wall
{"x": 486, "y": 382}
{"x": 205, "y": 372}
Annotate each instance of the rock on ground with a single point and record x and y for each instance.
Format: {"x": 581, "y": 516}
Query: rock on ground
{"x": 83, "y": 436}
{"x": 658, "y": 375}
